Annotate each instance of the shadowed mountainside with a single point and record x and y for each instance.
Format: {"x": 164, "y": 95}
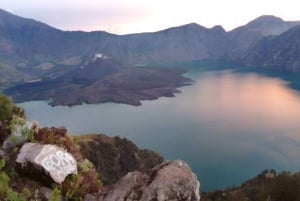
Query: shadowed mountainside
{"x": 276, "y": 52}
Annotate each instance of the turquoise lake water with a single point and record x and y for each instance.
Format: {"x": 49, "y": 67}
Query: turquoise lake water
{"x": 229, "y": 125}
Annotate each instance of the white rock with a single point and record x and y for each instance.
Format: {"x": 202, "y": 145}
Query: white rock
{"x": 53, "y": 159}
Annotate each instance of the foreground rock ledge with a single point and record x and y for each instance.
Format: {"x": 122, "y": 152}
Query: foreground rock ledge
{"x": 169, "y": 181}
{"x": 54, "y": 160}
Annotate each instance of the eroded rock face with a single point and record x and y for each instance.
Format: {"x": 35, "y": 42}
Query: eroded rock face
{"x": 128, "y": 188}
{"x": 54, "y": 160}
{"x": 170, "y": 181}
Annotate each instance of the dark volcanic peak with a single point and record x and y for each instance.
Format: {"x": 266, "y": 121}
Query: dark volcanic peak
{"x": 103, "y": 80}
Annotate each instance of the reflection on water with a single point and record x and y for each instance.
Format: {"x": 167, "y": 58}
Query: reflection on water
{"x": 247, "y": 101}
{"x": 228, "y": 126}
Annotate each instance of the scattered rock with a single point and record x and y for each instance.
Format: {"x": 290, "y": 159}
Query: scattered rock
{"x": 2, "y": 153}
{"x": 128, "y": 188}
{"x": 54, "y": 160}
{"x": 17, "y": 138}
{"x": 170, "y": 181}
{"x": 45, "y": 192}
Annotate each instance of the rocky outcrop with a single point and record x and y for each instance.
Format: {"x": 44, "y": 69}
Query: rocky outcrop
{"x": 114, "y": 157}
{"x": 168, "y": 181}
{"x": 54, "y": 160}
{"x": 172, "y": 181}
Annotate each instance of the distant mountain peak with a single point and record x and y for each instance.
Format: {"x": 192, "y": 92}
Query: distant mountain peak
{"x": 190, "y": 26}
{"x": 269, "y": 25}
{"x": 268, "y": 18}
{"x": 218, "y": 28}
{"x": 265, "y": 19}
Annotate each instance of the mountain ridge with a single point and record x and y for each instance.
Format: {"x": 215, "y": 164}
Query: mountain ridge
{"x": 31, "y": 50}
{"x": 193, "y": 37}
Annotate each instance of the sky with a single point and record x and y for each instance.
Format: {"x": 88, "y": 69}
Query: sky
{"x": 135, "y": 16}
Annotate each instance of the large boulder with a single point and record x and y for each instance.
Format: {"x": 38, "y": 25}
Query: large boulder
{"x": 52, "y": 159}
{"x": 170, "y": 181}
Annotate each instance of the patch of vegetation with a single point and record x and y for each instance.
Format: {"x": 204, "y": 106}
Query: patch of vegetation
{"x": 6, "y": 192}
{"x": 6, "y": 108}
{"x": 283, "y": 187}
{"x": 16, "y": 185}
{"x": 55, "y": 194}
{"x": 115, "y": 157}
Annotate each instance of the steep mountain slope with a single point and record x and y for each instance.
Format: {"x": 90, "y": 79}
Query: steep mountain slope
{"x": 35, "y": 48}
{"x": 242, "y": 38}
{"x": 188, "y": 42}
{"x": 276, "y": 52}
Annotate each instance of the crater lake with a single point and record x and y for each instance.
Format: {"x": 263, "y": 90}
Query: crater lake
{"x": 229, "y": 125}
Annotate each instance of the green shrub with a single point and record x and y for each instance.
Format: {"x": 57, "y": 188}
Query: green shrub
{"x": 18, "y": 126}
{"x": 2, "y": 163}
{"x": 6, "y": 108}
{"x": 72, "y": 187}
{"x": 55, "y": 194}
{"x": 14, "y": 196}
{"x": 4, "y": 185}
{"x": 26, "y": 193}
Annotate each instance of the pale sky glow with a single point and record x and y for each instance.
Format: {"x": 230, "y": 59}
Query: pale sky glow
{"x": 133, "y": 16}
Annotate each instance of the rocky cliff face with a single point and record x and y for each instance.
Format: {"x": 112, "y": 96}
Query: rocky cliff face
{"x": 114, "y": 157}
{"x": 168, "y": 181}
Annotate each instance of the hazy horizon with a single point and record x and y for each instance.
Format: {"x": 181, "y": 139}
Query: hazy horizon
{"x": 132, "y": 16}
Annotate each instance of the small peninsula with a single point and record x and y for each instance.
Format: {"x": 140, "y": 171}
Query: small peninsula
{"x": 101, "y": 79}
